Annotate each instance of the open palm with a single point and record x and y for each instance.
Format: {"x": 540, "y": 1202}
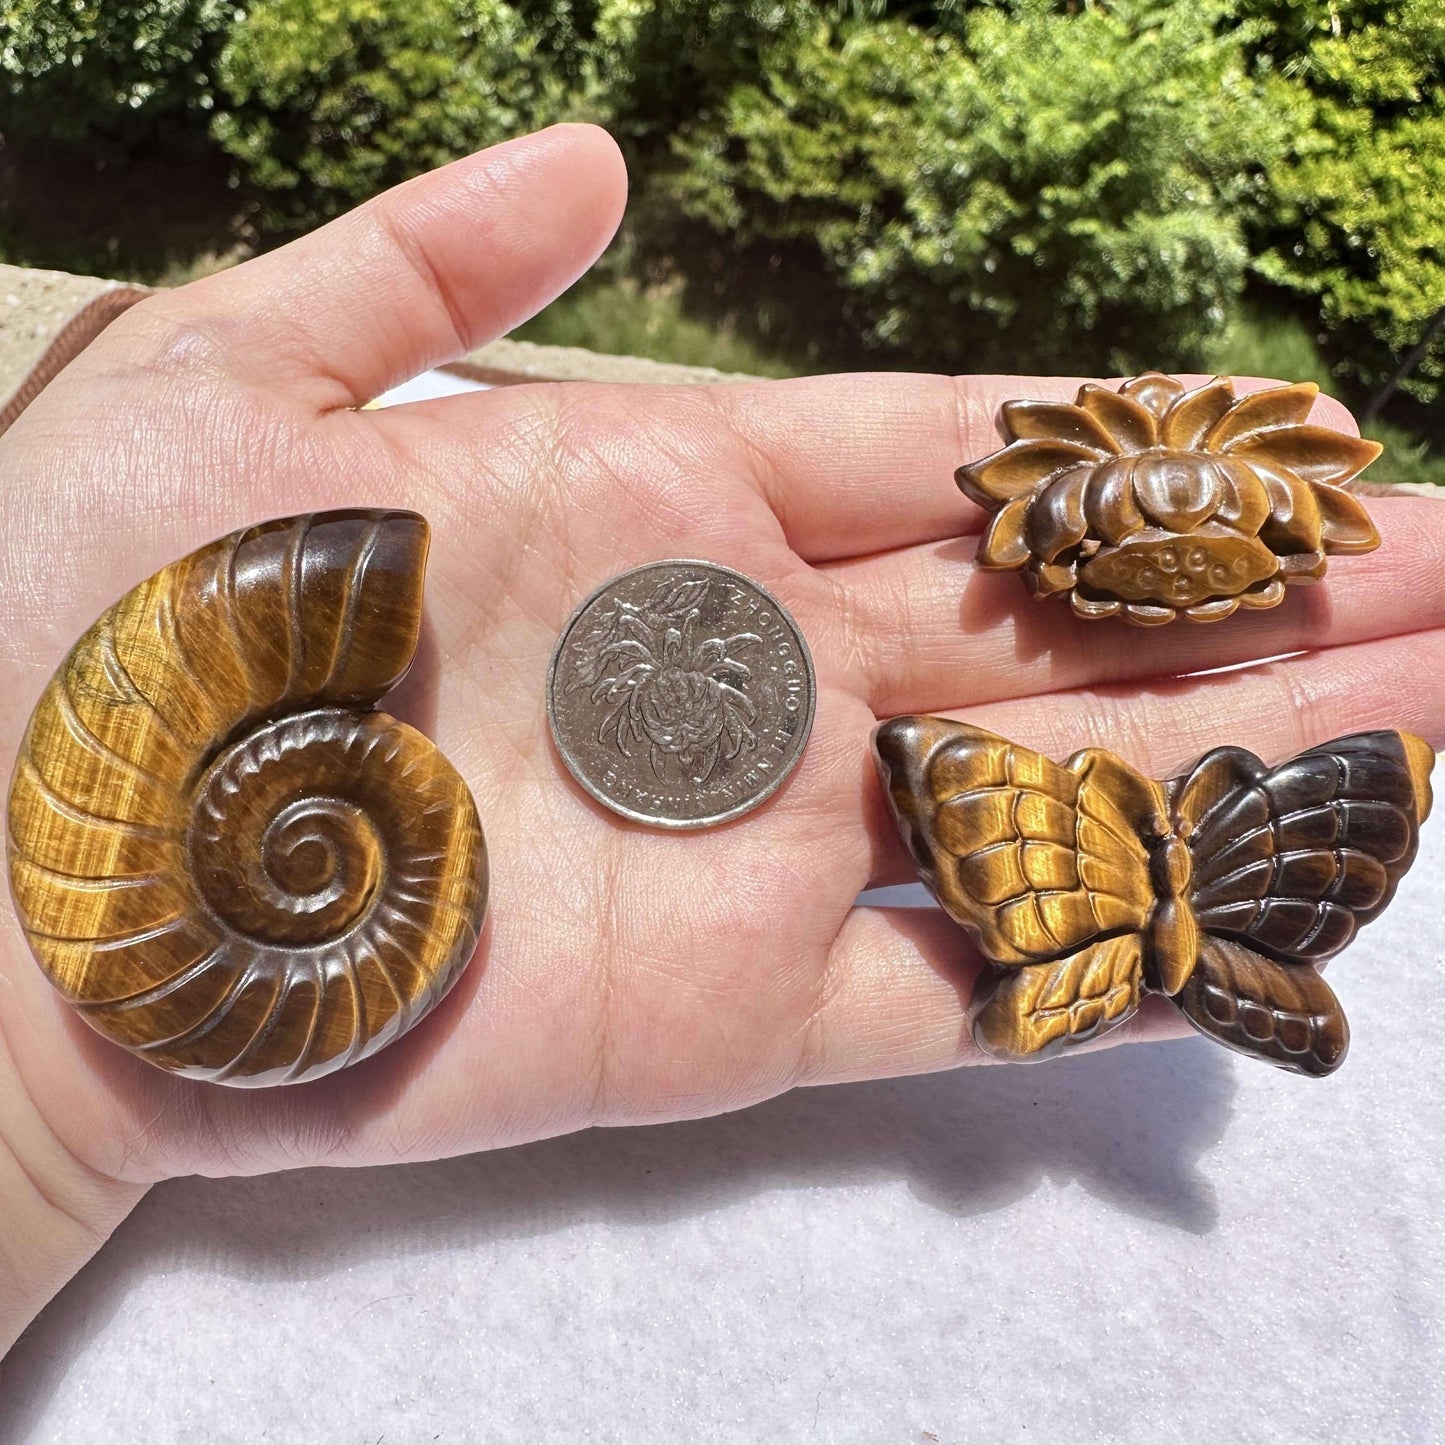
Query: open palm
{"x": 625, "y": 975}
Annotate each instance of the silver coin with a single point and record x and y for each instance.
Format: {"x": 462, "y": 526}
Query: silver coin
{"x": 681, "y": 694}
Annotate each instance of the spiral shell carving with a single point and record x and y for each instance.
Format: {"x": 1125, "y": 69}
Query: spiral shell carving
{"x": 222, "y": 856}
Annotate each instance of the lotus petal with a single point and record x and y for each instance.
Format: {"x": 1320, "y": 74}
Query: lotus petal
{"x": 1005, "y": 547}
{"x": 1154, "y": 391}
{"x": 1056, "y": 516}
{"x": 1244, "y": 502}
{"x": 1048, "y": 579}
{"x": 1313, "y": 452}
{"x": 1191, "y": 417}
{"x": 1109, "y": 505}
{"x": 1211, "y": 612}
{"x": 1178, "y": 491}
{"x": 1303, "y": 566}
{"x": 1275, "y": 406}
{"x": 1145, "y": 614}
{"x": 1346, "y": 525}
{"x": 1131, "y": 425}
{"x": 1054, "y": 421}
{"x": 1093, "y": 608}
{"x": 1294, "y": 520}
{"x": 1271, "y": 594}
{"x": 1019, "y": 468}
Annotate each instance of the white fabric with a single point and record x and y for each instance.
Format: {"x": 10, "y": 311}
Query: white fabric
{"x": 1156, "y": 1243}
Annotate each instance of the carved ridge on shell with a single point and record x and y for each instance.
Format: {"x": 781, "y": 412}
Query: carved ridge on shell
{"x": 163, "y": 806}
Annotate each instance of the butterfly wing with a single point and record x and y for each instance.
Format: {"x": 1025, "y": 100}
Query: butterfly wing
{"x": 1287, "y": 1015}
{"x": 1036, "y": 1011}
{"x": 1293, "y": 860}
{"x": 1034, "y": 858}
{"x": 1289, "y": 863}
{"x": 1042, "y": 863}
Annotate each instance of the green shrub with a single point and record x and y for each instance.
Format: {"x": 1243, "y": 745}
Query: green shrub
{"x": 327, "y": 102}
{"x": 105, "y": 71}
{"x": 667, "y": 62}
{"x": 1353, "y": 218}
{"x": 1040, "y": 189}
{"x": 969, "y": 183}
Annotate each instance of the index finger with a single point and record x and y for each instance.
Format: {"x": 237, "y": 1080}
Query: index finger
{"x": 864, "y": 463}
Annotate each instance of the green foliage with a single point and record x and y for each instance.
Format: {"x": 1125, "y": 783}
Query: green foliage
{"x": 1039, "y": 190}
{"x": 564, "y": 30}
{"x": 621, "y": 317}
{"x": 1353, "y": 219}
{"x": 1264, "y": 343}
{"x": 1072, "y": 184}
{"x": 329, "y": 101}
{"x": 104, "y": 69}
{"x": 670, "y": 62}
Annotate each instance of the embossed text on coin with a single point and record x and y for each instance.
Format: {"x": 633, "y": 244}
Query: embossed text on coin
{"x": 681, "y": 694}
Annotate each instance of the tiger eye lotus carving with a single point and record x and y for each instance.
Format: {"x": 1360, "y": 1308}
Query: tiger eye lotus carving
{"x": 222, "y": 856}
{"x": 1087, "y": 885}
{"x": 1153, "y": 502}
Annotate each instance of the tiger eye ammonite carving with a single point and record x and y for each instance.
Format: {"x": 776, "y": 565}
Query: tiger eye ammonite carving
{"x": 1087, "y": 885}
{"x": 1153, "y": 502}
{"x": 222, "y": 855}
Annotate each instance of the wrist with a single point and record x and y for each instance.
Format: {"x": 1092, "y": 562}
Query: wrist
{"x": 55, "y": 1210}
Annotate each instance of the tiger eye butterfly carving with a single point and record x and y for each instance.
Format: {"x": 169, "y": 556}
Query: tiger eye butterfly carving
{"x": 1088, "y": 885}
{"x": 222, "y": 855}
{"x": 1153, "y": 502}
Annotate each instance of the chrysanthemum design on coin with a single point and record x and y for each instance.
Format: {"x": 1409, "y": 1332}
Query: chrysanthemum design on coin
{"x": 1153, "y": 502}
{"x": 681, "y": 694}
{"x": 678, "y": 696}
{"x": 223, "y": 856}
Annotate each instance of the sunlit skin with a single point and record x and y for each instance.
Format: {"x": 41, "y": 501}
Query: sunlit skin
{"x": 625, "y": 975}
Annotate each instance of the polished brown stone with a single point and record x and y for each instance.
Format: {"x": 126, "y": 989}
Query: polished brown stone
{"x": 223, "y": 856}
{"x": 1087, "y": 885}
{"x": 1153, "y": 502}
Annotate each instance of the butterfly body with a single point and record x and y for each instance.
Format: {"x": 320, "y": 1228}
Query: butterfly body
{"x": 1088, "y": 885}
{"x": 1174, "y": 934}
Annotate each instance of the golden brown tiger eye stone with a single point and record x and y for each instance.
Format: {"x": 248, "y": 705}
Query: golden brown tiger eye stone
{"x": 1087, "y": 885}
{"x": 1154, "y": 502}
{"x": 223, "y": 856}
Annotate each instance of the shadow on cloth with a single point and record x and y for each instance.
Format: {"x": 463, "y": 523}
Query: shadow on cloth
{"x": 1129, "y": 1125}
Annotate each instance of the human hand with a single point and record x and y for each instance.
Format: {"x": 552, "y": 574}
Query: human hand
{"x": 625, "y": 975}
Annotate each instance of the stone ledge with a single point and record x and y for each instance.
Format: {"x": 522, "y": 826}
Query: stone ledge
{"x": 48, "y": 317}
{"x": 507, "y": 363}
